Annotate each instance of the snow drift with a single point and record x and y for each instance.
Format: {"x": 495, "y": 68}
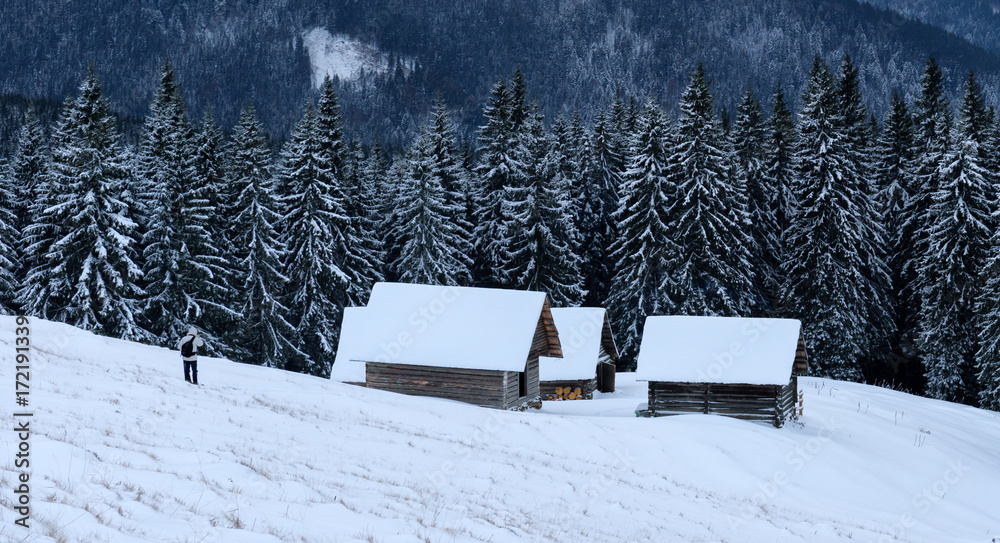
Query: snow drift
{"x": 125, "y": 451}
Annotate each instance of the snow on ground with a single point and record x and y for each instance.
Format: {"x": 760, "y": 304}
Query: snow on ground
{"x": 339, "y": 55}
{"x": 125, "y": 451}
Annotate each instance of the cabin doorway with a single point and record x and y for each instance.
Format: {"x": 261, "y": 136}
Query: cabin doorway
{"x": 522, "y": 383}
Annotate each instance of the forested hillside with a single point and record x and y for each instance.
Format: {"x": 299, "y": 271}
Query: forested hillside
{"x": 577, "y": 53}
{"x": 977, "y": 21}
{"x": 880, "y": 239}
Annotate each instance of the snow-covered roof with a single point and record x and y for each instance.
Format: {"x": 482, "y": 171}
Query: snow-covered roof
{"x": 451, "y": 327}
{"x": 580, "y": 331}
{"x": 718, "y": 350}
{"x": 347, "y": 368}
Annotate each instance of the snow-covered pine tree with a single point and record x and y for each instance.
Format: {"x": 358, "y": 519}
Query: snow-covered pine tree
{"x": 712, "y": 273}
{"x": 265, "y": 337}
{"x": 598, "y": 227}
{"x": 378, "y": 192}
{"x": 499, "y": 168}
{"x": 750, "y": 147}
{"x": 312, "y": 232}
{"x": 27, "y": 167}
{"x": 959, "y": 233}
{"x": 645, "y": 242}
{"x": 210, "y": 162}
{"x": 854, "y": 125}
{"x": 9, "y": 236}
{"x": 779, "y": 165}
{"x": 542, "y": 234}
{"x": 932, "y": 128}
{"x": 893, "y": 172}
{"x": 430, "y": 241}
{"x": 825, "y": 286}
{"x": 447, "y": 166}
{"x": 183, "y": 268}
{"x": 35, "y": 293}
{"x": 81, "y": 241}
{"x": 363, "y": 259}
{"x": 988, "y": 330}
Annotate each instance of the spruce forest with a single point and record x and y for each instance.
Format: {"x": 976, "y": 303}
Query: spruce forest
{"x": 882, "y": 235}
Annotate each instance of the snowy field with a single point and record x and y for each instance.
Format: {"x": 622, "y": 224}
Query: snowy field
{"x": 124, "y": 450}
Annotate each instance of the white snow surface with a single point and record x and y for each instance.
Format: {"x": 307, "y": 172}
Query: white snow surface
{"x": 340, "y": 55}
{"x": 350, "y": 366}
{"x": 123, "y": 451}
{"x": 580, "y": 337}
{"x": 449, "y": 327}
{"x": 686, "y": 349}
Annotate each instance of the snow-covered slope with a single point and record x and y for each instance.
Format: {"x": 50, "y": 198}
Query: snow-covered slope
{"x": 339, "y": 55}
{"x": 124, "y": 450}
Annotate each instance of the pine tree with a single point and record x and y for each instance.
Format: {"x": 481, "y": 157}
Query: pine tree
{"x": 825, "y": 285}
{"x": 750, "y": 147}
{"x": 855, "y": 143}
{"x": 499, "y": 170}
{"x": 182, "y": 265}
{"x": 988, "y": 331}
{"x": 894, "y": 172}
{"x": 598, "y": 227}
{"x": 265, "y": 336}
{"x": 454, "y": 179}
{"x": 27, "y": 167}
{"x": 779, "y": 165}
{"x": 377, "y": 202}
{"x": 932, "y": 122}
{"x": 431, "y": 241}
{"x": 542, "y": 235}
{"x": 81, "y": 241}
{"x": 362, "y": 259}
{"x": 712, "y": 273}
{"x": 958, "y": 242}
{"x": 9, "y": 236}
{"x": 317, "y": 285}
{"x": 210, "y": 162}
{"x": 35, "y": 295}
{"x": 645, "y": 242}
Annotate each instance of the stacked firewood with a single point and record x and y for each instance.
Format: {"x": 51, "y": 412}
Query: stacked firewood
{"x": 566, "y": 393}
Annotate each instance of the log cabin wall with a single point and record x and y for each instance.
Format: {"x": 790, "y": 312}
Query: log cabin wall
{"x": 764, "y": 403}
{"x": 801, "y": 364}
{"x": 544, "y": 343}
{"x": 484, "y": 388}
{"x": 608, "y": 341}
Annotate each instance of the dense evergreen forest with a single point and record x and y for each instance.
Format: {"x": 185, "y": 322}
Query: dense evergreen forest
{"x": 578, "y": 54}
{"x": 880, "y": 235}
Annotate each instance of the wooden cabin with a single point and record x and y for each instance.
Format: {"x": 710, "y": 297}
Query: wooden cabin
{"x": 475, "y": 345}
{"x": 742, "y": 368}
{"x": 589, "y": 355}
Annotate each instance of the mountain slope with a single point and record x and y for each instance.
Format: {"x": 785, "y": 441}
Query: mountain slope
{"x": 576, "y": 53}
{"x": 977, "y": 21}
{"x": 124, "y": 450}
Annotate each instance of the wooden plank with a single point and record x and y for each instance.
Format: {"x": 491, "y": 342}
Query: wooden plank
{"x": 801, "y": 364}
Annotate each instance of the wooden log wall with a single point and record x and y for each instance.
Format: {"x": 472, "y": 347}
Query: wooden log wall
{"x": 479, "y": 387}
{"x": 801, "y": 364}
{"x": 606, "y": 369}
{"x": 551, "y": 333}
{"x": 766, "y": 403}
{"x": 608, "y": 340}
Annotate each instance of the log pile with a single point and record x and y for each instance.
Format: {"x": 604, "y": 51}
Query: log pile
{"x": 567, "y": 393}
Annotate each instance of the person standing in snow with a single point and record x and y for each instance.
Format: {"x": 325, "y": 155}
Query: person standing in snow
{"x": 189, "y": 353}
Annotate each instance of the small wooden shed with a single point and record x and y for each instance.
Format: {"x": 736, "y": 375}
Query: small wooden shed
{"x": 589, "y": 355}
{"x": 474, "y": 345}
{"x": 738, "y": 367}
